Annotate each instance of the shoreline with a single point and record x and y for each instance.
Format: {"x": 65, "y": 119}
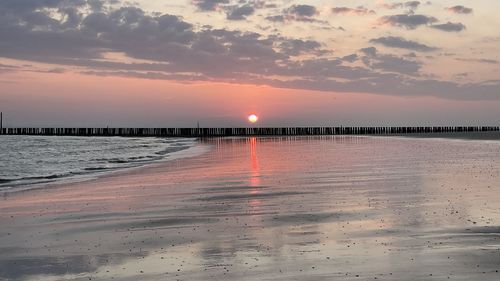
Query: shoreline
{"x": 456, "y": 135}
{"x": 93, "y": 174}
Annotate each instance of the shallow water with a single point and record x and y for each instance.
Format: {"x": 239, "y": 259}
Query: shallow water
{"x": 29, "y": 160}
{"x": 318, "y": 208}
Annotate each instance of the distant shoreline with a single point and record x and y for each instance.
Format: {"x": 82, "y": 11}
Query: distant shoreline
{"x": 456, "y": 135}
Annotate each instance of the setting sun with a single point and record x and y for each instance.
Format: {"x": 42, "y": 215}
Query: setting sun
{"x": 253, "y": 118}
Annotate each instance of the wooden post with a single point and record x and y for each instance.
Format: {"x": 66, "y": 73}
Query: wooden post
{"x": 248, "y": 131}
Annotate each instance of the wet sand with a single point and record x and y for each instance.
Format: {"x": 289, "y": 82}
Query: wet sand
{"x": 306, "y": 208}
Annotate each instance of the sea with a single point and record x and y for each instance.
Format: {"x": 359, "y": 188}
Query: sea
{"x": 33, "y": 161}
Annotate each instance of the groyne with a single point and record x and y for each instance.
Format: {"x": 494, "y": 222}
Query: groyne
{"x": 222, "y": 132}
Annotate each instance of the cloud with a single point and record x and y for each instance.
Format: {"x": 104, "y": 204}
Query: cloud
{"x": 171, "y": 48}
{"x": 4, "y": 68}
{"x": 354, "y": 11}
{"x": 389, "y": 63}
{"x": 409, "y": 4}
{"x": 460, "y": 10}
{"x": 370, "y": 51}
{"x": 235, "y": 10}
{"x": 276, "y": 18}
{"x": 412, "y": 4}
{"x": 303, "y": 10}
{"x": 399, "y": 42}
{"x": 209, "y": 5}
{"x": 487, "y": 61}
{"x": 350, "y": 58}
{"x": 258, "y": 4}
{"x": 449, "y": 27}
{"x": 304, "y": 13}
{"x": 8, "y": 66}
{"x": 240, "y": 13}
{"x": 395, "y": 64}
{"x": 408, "y": 21}
{"x": 295, "y": 47}
{"x": 148, "y": 75}
{"x": 390, "y": 84}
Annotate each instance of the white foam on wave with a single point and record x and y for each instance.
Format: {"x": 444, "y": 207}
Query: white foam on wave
{"x": 28, "y": 162}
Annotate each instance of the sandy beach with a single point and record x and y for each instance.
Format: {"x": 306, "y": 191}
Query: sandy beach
{"x": 303, "y": 208}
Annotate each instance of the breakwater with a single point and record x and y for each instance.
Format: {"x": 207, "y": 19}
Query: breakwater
{"x": 222, "y": 132}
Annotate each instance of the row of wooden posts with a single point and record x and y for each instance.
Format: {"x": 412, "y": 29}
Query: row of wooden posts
{"x": 219, "y": 132}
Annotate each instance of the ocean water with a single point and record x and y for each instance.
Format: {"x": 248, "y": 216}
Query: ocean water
{"x": 26, "y": 161}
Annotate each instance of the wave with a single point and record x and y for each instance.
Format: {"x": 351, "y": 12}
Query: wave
{"x": 5, "y": 180}
{"x": 96, "y": 168}
{"x": 68, "y": 158}
{"x": 171, "y": 150}
{"x": 49, "y": 177}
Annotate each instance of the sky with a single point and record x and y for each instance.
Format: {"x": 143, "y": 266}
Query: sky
{"x": 176, "y": 63}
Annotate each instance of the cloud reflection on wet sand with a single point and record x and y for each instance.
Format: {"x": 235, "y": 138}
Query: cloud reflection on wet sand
{"x": 270, "y": 208}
